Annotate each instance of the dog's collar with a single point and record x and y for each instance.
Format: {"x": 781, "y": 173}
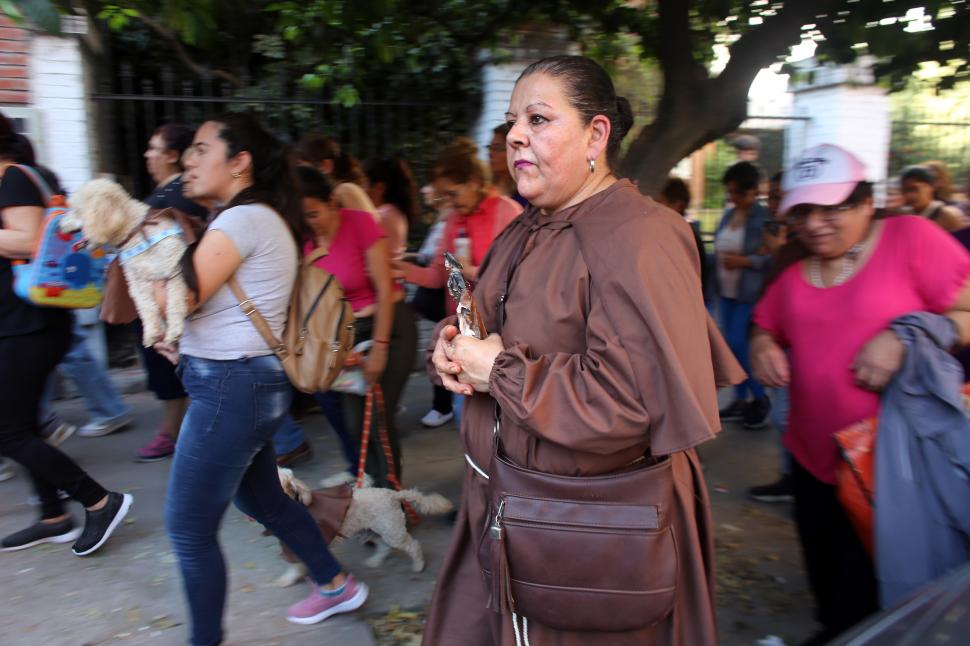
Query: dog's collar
{"x": 148, "y": 243}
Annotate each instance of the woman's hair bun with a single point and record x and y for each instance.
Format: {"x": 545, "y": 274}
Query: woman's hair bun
{"x": 624, "y": 117}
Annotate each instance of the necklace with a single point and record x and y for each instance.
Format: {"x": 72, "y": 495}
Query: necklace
{"x": 848, "y": 267}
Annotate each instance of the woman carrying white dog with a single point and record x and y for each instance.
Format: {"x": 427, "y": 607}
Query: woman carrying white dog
{"x": 238, "y": 390}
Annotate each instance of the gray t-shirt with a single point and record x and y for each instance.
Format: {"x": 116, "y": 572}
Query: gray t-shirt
{"x": 219, "y": 329}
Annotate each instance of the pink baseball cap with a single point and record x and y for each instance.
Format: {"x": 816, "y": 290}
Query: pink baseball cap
{"x": 825, "y": 175}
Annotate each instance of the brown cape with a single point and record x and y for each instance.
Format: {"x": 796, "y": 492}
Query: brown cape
{"x": 609, "y": 354}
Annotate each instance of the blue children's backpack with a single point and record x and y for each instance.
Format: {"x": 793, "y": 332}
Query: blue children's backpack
{"x": 64, "y": 271}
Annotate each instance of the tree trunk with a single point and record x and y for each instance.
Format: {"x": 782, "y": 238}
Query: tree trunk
{"x": 695, "y": 108}
{"x": 689, "y": 116}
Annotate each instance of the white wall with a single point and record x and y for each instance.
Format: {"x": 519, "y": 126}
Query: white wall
{"x": 57, "y": 94}
{"x": 497, "y": 84}
{"x": 845, "y": 109}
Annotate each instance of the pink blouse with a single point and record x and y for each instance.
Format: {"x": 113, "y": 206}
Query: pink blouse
{"x": 916, "y": 266}
{"x": 347, "y": 256}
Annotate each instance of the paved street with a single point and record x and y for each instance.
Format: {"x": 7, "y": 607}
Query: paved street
{"x": 129, "y": 593}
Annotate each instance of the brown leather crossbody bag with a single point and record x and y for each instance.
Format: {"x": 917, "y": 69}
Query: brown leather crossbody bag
{"x": 591, "y": 553}
{"x": 580, "y": 553}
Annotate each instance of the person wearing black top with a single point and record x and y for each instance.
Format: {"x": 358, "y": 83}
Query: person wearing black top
{"x": 163, "y": 159}
{"x": 33, "y": 340}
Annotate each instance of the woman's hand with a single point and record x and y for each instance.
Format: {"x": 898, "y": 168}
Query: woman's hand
{"x": 443, "y": 364}
{"x": 169, "y": 351}
{"x": 375, "y": 363}
{"x": 735, "y": 261}
{"x": 476, "y": 359}
{"x": 769, "y": 363}
{"x": 879, "y": 361}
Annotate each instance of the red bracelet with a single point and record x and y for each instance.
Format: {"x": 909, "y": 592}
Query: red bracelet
{"x": 381, "y": 341}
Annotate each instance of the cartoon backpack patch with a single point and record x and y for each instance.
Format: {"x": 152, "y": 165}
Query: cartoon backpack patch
{"x": 64, "y": 270}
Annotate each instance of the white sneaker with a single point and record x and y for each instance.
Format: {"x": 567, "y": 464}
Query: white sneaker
{"x": 100, "y": 429}
{"x": 7, "y": 470}
{"x": 60, "y": 434}
{"x": 434, "y": 419}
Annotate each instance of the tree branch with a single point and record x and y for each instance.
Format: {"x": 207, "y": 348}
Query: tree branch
{"x": 183, "y": 55}
{"x": 760, "y": 47}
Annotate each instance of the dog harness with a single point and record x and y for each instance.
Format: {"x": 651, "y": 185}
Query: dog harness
{"x": 148, "y": 243}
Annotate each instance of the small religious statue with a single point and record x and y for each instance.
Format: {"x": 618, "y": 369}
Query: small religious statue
{"x": 469, "y": 321}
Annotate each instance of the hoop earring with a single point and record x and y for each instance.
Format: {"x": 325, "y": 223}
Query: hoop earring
{"x": 592, "y": 166}
{"x": 236, "y": 175}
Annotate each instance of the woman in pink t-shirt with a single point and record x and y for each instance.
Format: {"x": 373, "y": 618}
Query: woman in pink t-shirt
{"x": 359, "y": 259}
{"x": 831, "y": 311}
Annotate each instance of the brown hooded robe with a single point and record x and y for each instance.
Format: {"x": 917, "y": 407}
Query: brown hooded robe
{"x": 609, "y": 353}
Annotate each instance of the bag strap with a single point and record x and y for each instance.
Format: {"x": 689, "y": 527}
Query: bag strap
{"x": 45, "y": 191}
{"x": 249, "y": 309}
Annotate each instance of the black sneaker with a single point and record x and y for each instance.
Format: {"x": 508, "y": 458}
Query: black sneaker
{"x": 99, "y": 525}
{"x": 780, "y": 491}
{"x": 39, "y": 533}
{"x": 734, "y": 412}
{"x": 756, "y": 413}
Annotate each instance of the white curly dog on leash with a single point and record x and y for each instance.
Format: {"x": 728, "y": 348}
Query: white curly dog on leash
{"x": 375, "y": 509}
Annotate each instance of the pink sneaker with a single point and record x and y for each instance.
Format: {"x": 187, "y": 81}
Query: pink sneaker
{"x": 321, "y": 604}
{"x": 161, "y": 447}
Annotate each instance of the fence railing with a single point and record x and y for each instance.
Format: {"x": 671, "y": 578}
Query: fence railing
{"x": 373, "y": 127}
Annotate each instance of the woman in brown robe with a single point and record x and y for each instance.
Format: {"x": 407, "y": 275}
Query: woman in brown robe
{"x": 606, "y": 352}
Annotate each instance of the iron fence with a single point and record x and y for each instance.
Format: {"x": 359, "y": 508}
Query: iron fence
{"x": 918, "y": 141}
{"x": 372, "y": 127}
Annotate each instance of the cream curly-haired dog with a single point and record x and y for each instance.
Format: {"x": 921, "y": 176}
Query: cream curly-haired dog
{"x": 371, "y": 508}
{"x": 149, "y": 249}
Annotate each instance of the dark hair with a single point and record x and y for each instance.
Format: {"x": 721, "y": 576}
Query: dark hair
{"x": 861, "y": 193}
{"x": 316, "y": 147}
{"x": 502, "y": 129}
{"x": 311, "y": 183}
{"x": 399, "y": 187}
{"x": 590, "y": 91}
{"x": 177, "y": 138}
{"x": 23, "y": 151}
{"x": 273, "y": 178}
{"x": 918, "y": 174}
{"x": 676, "y": 190}
{"x": 745, "y": 174}
{"x": 459, "y": 162}
{"x": 11, "y": 143}
{"x": 777, "y": 177}
{"x": 346, "y": 168}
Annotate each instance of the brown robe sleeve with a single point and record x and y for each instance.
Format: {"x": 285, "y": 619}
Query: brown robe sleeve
{"x": 654, "y": 359}
{"x": 587, "y": 402}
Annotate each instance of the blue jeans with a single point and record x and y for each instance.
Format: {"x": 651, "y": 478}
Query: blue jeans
{"x": 224, "y": 453}
{"x": 735, "y": 321}
{"x": 779, "y": 417}
{"x": 288, "y": 437}
{"x": 91, "y": 379}
{"x": 332, "y": 406}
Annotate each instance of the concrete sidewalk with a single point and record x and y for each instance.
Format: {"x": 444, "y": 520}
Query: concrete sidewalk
{"x": 130, "y": 592}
